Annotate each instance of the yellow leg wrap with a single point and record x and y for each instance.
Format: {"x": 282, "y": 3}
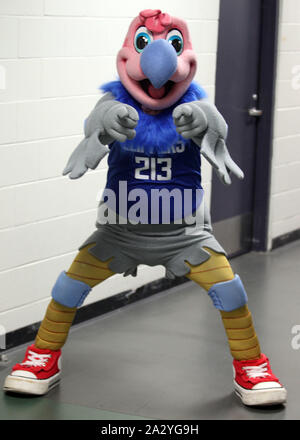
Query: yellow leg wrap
{"x": 55, "y": 327}
{"x": 56, "y": 324}
{"x": 238, "y": 324}
{"x": 240, "y": 331}
{"x": 88, "y": 268}
{"x": 215, "y": 270}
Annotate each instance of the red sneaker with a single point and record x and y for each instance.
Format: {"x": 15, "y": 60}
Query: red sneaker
{"x": 255, "y": 383}
{"x": 37, "y": 374}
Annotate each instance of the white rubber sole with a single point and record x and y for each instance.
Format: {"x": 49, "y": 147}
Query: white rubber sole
{"x": 266, "y": 397}
{"x": 24, "y": 385}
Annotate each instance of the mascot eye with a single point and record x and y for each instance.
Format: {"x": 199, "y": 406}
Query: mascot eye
{"x": 142, "y": 39}
{"x": 176, "y": 39}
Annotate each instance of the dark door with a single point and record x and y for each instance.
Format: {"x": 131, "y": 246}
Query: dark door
{"x": 238, "y": 89}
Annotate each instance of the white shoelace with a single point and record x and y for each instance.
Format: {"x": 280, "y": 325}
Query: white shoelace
{"x": 257, "y": 371}
{"x": 36, "y": 359}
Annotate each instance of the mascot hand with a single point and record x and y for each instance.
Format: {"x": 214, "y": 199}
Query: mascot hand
{"x": 190, "y": 120}
{"x": 87, "y": 155}
{"x": 119, "y": 122}
{"x": 212, "y": 140}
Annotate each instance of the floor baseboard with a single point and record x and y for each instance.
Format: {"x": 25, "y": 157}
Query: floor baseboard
{"x": 285, "y": 239}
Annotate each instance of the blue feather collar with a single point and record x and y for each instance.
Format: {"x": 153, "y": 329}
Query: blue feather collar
{"x": 155, "y": 134}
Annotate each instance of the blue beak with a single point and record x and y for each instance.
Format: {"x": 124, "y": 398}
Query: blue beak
{"x": 159, "y": 62}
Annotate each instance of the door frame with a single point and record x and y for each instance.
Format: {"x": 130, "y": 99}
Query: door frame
{"x": 268, "y": 38}
{"x": 264, "y": 142}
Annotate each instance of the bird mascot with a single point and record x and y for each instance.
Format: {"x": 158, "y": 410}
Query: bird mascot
{"x": 155, "y": 124}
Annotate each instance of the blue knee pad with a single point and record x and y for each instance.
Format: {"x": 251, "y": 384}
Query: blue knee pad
{"x": 70, "y": 292}
{"x": 229, "y": 295}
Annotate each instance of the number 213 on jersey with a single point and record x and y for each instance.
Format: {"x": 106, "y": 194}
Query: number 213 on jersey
{"x": 154, "y": 168}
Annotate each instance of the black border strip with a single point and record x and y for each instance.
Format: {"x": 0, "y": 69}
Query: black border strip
{"x": 285, "y": 239}
{"x": 264, "y": 144}
{"x": 27, "y": 334}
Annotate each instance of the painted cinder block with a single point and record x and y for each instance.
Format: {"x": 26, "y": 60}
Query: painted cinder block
{"x": 21, "y": 7}
{"x": 286, "y": 150}
{"x": 206, "y": 70}
{"x": 286, "y": 178}
{"x": 285, "y": 202}
{"x": 46, "y": 199}
{"x": 76, "y": 76}
{"x": 22, "y": 80}
{"x": 287, "y": 122}
{"x": 20, "y": 164}
{"x": 197, "y": 9}
{"x": 53, "y": 118}
{"x": 289, "y": 68}
{"x": 66, "y": 7}
{"x": 37, "y": 160}
{"x": 42, "y": 37}
{"x": 8, "y": 118}
{"x": 204, "y": 35}
{"x": 9, "y": 31}
{"x": 46, "y": 239}
{"x": 290, "y": 37}
{"x": 288, "y": 93}
{"x": 34, "y": 280}
{"x": 286, "y": 205}
{"x": 291, "y": 11}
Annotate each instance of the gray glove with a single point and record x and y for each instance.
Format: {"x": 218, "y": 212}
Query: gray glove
{"x": 201, "y": 122}
{"x": 88, "y": 154}
{"x": 110, "y": 120}
{"x": 114, "y": 120}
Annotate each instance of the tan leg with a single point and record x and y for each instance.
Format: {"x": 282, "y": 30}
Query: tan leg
{"x": 58, "y": 319}
{"x": 238, "y": 324}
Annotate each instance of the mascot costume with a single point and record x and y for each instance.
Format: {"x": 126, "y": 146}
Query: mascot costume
{"x": 155, "y": 125}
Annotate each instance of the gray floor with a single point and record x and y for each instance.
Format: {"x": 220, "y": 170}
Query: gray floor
{"x": 167, "y": 357}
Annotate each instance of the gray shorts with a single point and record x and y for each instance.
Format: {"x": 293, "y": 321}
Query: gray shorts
{"x": 167, "y": 245}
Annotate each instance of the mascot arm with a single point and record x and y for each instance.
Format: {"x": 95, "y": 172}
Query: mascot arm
{"x": 114, "y": 120}
{"x": 110, "y": 120}
{"x": 202, "y": 122}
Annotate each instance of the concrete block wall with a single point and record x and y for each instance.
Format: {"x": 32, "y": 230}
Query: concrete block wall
{"x": 285, "y": 189}
{"x": 54, "y": 54}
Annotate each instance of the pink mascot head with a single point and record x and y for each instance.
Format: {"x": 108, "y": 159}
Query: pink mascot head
{"x": 157, "y": 63}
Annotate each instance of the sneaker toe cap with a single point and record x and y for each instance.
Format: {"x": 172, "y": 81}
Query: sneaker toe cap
{"x": 266, "y": 385}
{"x": 24, "y": 373}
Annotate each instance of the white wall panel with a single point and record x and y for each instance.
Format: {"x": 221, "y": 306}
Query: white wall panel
{"x": 285, "y": 189}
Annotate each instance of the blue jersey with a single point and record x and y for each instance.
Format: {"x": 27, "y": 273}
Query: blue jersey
{"x": 157, "y": 188}
{"x": 153, "y": 182}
